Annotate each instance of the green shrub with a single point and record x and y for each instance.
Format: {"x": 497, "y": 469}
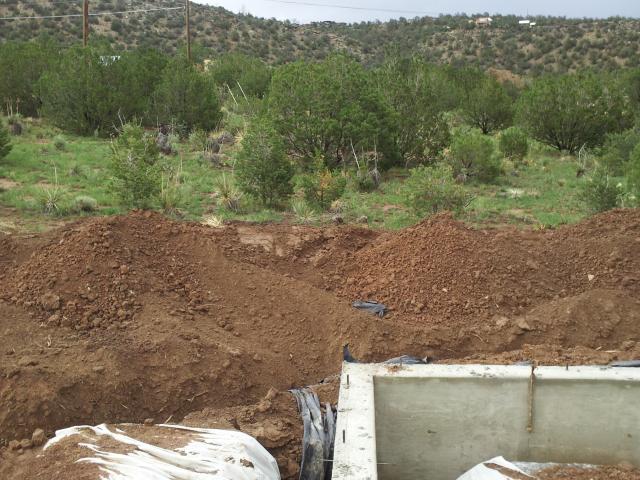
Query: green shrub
{"x": 84, "y": 203}
{"x": 171, "y": 194}
{"x": 5, "y": 141}
{"x": 366, "y": 181}
{"x": 135, "y": 166}
{"x": 322, "y": 187}
{"x": 633, "y": 172}
{"x": 574, "y": 110}
{"x": 601, "y": 192}
{"x": 15, "y": 124}
{"x": 238, "y": 70}
{"x": 514, "y": 144}
{"x": 473, "y": 156}
{"x": 198, "y": 140}
{"x": 89, "y": 90}
{"x": 263, "y": 169}
{"x": 187, "y": 97}
{"x": 617, "y": 148}
{"x": 60, "y": 143}
{"x": 332, "y": 108}
{"x": 487, "y": 105}
{"x": 430, "y": 189}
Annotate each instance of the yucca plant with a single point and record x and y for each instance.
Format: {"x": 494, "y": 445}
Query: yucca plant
{"x": 228, "y": 194}
{"x": 303, "y": 212}
{"x": 51, "y": 200}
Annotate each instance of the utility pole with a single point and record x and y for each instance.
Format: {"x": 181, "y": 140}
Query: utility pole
{"x": 186, "y": 15}
{"x": 85, "y": 22}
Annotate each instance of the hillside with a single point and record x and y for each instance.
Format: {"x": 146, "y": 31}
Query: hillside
{"x": 554, "y": 44}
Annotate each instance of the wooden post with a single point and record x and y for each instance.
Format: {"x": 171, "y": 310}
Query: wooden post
{"x": 186, "y": 14}
{"x": 85, "y": 23}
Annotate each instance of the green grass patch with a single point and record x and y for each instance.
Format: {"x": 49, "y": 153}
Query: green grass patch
{"x": 544, "y": 193}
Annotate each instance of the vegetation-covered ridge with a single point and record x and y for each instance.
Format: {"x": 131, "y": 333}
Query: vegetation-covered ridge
{"x": 553, "y": 44}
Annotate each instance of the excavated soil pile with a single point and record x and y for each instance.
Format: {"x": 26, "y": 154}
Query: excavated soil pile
{"x": 127, "y": 318}
{"x": 94, "y": 275}
{"x": 578, "y": 284}
{"x": 136, "y": 317}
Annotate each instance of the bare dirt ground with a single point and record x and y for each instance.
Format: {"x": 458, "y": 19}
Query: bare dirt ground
{"x": 122, "y": 319}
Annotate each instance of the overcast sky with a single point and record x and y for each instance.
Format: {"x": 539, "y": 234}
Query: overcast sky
{"x": 304, "y": 11}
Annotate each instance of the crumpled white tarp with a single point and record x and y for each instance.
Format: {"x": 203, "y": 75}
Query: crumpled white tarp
{"x": 483, "y": 472}
{"x": 208, "y": 455}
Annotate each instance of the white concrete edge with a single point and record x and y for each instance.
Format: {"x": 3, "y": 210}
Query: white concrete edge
{"x": 355, "y": 455}
{"x": 355, "y": 443}
{"x": 499, "y": 371}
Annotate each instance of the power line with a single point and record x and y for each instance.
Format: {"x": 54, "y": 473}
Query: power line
{"x": 92, "y": 14}
{"x": 346, "y": 7}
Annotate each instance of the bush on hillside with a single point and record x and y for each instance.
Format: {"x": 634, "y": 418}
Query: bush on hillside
{"x": 430, "y": 189}
{"x": 633, "y": 173}
{"x": 331, "y": 108}
{"x": 322, "y": 187}
{"x": 84, "y": 203}
{"x": 514, "y": 144}
{"x": 241, "y": 73}
{"x": 135, "y": 166}
{"x": 488, "y": 106}
{"x": 601, "y": 192}
{"x": 186, "y": 97}
{"x": 90, "y": 91}
{"x": 263, "y": 169}
{"x": 574, "y": 110}
{"x": 22, "y": 64}
{"x": 60, "y": 143}
{"x": 472, "y": 156}
{"x": 5, "y": 141}
{"x": 617, "y": 148}
{"x": 418, "y": 93}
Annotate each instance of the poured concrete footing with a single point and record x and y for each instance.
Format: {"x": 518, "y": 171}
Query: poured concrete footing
{"x": 436, "y": 421}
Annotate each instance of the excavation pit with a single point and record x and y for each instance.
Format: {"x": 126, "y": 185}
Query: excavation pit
{"x": 437, "y": 421}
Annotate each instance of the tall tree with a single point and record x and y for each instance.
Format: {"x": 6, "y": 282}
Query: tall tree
{"x": 418, "y": 95}
{"x": 488, "y": 106}
{"x": 330, "y": 108}
{"x": 574, "y": 110}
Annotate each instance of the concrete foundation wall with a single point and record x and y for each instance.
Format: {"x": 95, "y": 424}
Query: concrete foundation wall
{"x": 435, "y": 421}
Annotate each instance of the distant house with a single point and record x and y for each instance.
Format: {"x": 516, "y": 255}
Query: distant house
{"x": 109, "y": 59}
{"x": 527, "y": 23}
{"x": 484, "y": 21}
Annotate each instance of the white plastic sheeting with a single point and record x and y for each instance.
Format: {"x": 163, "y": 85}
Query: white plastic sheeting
{"x": 484, "y": 472}
{"x": 208, "y": 455}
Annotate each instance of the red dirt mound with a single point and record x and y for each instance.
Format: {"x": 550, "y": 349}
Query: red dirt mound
{"x": 443, "y": 272}
{"x": 139, "y": 316}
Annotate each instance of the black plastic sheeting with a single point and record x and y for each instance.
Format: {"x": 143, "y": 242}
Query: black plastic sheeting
{"x": 401, "y": 360}
{"x": 319, "y": 435}
{"x": 370, "y": 306}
